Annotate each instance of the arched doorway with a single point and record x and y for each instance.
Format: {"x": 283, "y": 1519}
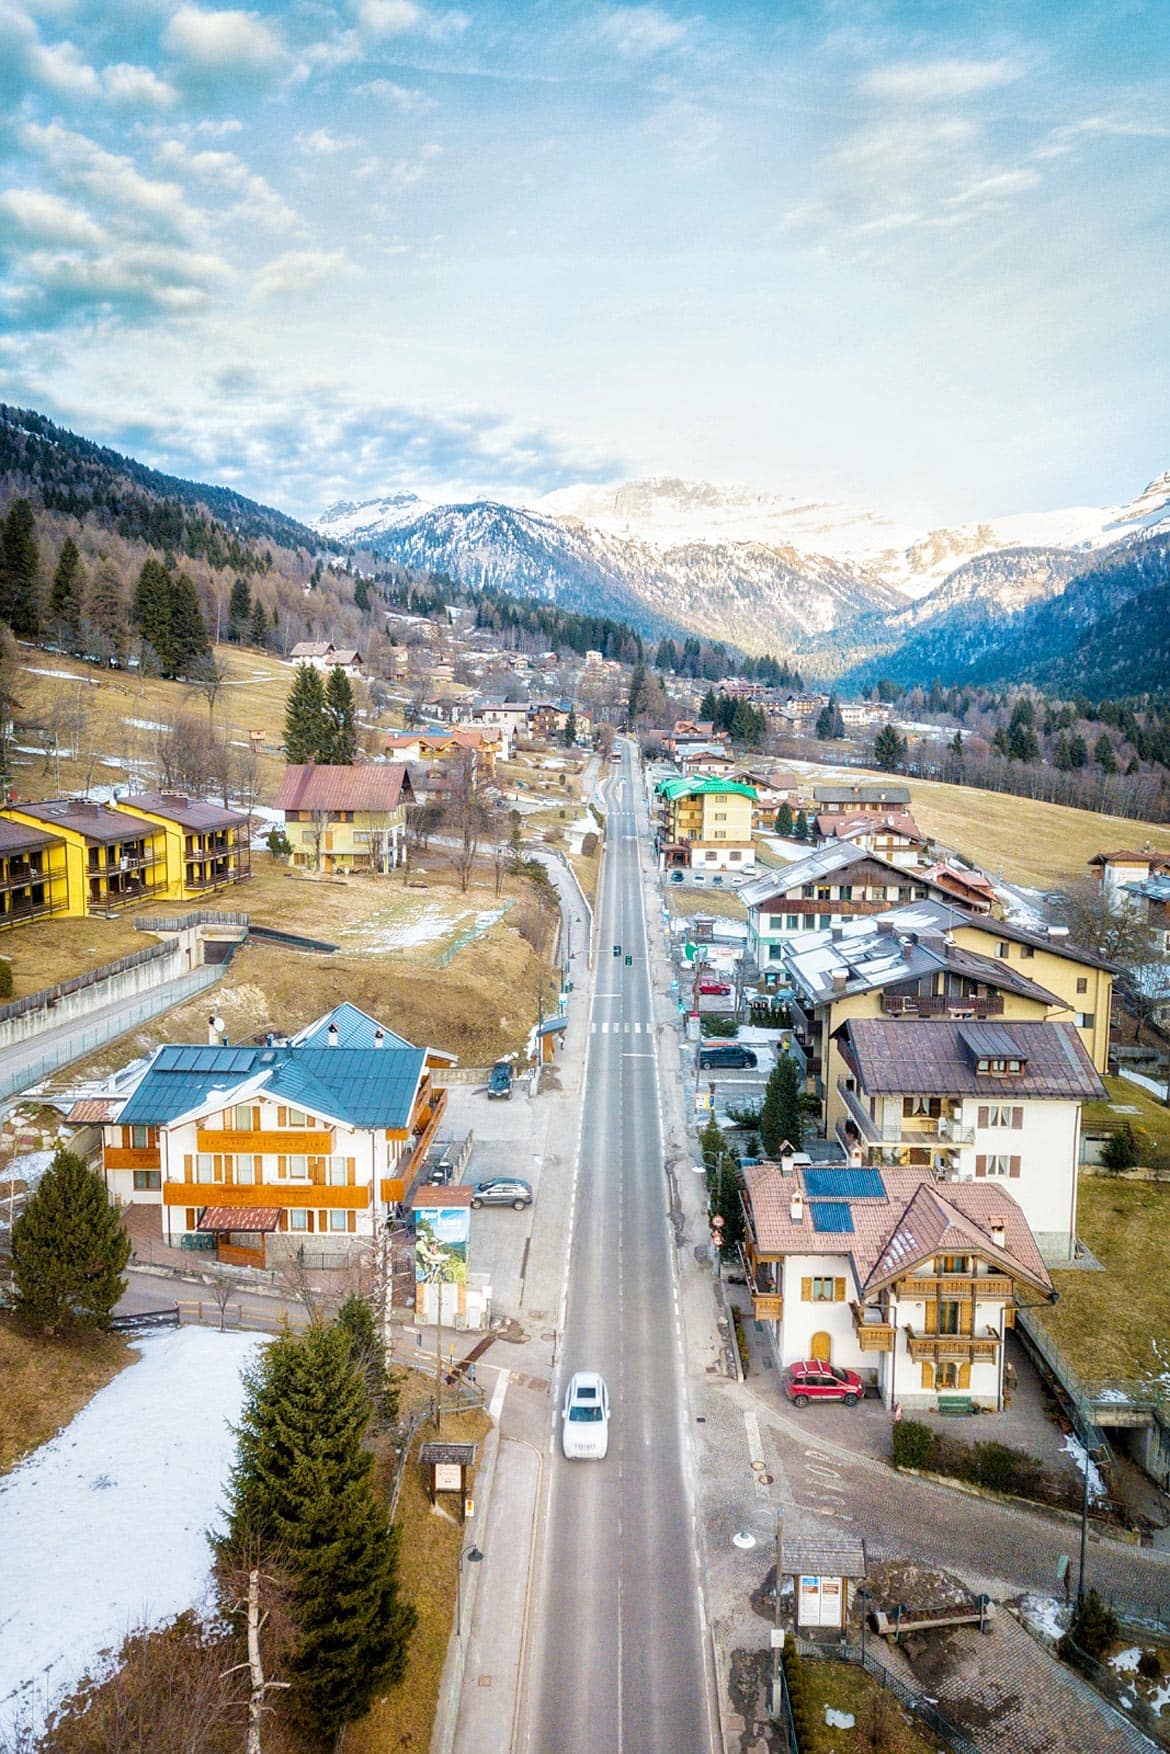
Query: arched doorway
{"x": 820, "y": 1347}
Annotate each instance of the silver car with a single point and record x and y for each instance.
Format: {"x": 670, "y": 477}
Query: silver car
{"x": 502, "y": 1190}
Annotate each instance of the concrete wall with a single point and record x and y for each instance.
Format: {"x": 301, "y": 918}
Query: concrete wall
{"x": 58, "y": 1008}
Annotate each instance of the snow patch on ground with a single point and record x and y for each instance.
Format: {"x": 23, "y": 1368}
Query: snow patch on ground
{"x": 105, "y": 1527}
{"x": 791, "y": 850}
{"x": 148, "y": 725}
{"x": 1083, "y": 1463}
{"x": 1046, "y": 1614}
{"x": 63, "y": 675}
{"x": 1126, "y": 1661}
{"x": 426, "y": 926}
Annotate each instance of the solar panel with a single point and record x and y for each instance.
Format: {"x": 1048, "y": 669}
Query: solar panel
{"x": 831, "y": 1215}
{"x": 844, "y": 1184}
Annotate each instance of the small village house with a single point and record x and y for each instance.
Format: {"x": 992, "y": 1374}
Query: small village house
{"x": 207, "y": 847}
{"x": 706, "y": 824}
{"x": 113, "y": 859}
{"x": 345, "y": 818}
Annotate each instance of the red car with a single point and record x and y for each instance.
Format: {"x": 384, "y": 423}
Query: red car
{"x": 714, "y": 989}
{"x": 815, "y": 1380}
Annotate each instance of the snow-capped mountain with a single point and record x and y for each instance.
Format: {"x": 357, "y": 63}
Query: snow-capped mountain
{"x": 765, "y": 571}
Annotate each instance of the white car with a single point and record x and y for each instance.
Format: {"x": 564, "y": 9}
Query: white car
{"x": 585, "y": 1417}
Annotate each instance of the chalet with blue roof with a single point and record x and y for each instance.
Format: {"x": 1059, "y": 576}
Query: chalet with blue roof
{"x": 250, "y": 1148}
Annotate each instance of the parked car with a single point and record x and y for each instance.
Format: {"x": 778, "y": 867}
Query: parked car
{"x": 714, "y": 989}
{"x": 815, "y": 1380}
{"x": 500, "y": 1082}
{"x": 731, "y": 1055}
{"x": 502, "y": 1190}
{"x": 585, "y": 1417}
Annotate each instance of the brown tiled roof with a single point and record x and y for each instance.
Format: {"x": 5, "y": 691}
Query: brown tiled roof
{"x": 951, "y": 917}
{"x": 18, "y": 837}
{"x": 97, "y": 822}
{"x": 377, "y": 787}
{"x": 870, "y": 822}
{"x": 187, "y": 812}
{"x": 89, "y": 1110}
{"x": 223, "y": 1218}
{"x": 436, "y": 1196}
{"x": 914, "y": 1218}
{"x": 935, "y": 1057}
{"x": 311, "y": 648}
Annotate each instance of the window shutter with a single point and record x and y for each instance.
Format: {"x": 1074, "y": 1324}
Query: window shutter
{"x": 965, "y": 1375}
{"x": 317, "y": 1171}
{"x": 1013, "y": 1166}
{"x": 282, "y": 1166}
{"x": 982, "y": 1114}
{"x": 351, "y": 1171}
{"x": 1017, "y": 1118}
{"x": 188, "y": 1171}
{"x": 967, "y": 1318}
{"x": 351, "y": 1221}
{"x": 928, "y": 1376}
{"x": 190, "y": 1217}
{"x": 282, "y": 1116}
{"x": 980, "y": 1163}
{"x": 312, "y": 1215}
{"x": 838, "y": 1291}
{"x": 806, "y": 1291}
{"x": 931, "y": 1316}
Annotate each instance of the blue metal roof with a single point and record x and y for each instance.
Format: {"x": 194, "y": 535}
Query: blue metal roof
{"x": 844, "y": 1184}
{"x": 364, "y": 1087}
{"x": 355, "y": 1029}
{"x": 831, "y": 1215}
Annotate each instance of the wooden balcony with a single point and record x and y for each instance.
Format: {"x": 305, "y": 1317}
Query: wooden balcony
{"x": 264, "y": 1142}
{"x": 954, "y": 1285}
{"x": 941, "y": 1005}
{"x": 282, "y": 1193}
{"x": 132, "y": 1157}
{"x": 767, "y": 1306}
{"x": 952, "y": 1348}
{"x": 871, "y": 1336}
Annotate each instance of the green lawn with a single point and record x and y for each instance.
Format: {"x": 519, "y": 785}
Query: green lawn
{"x": 880, "y": 1720}
{"x": 1151, "y": 1123}
{"x": 1116, "y": 1324}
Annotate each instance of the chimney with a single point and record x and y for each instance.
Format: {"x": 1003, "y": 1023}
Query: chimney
{"x": 334, "y": 1035}
{"x": 840, "y": 981}
{"x": 998, "y": 1233}
{"x": 214, "y": 1029}
{"x": 796, "y": 1207}
{"x": 379, "y": 1038}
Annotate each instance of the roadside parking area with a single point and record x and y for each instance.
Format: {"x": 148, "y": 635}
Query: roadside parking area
{"x": 509, "y": 1140}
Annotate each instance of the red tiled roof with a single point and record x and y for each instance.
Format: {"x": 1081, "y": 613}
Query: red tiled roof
{"x": 869, "y": 822}
{"x": 377, "y": 787}
{"x": 92, "y": 1109}
{"x": 224, "y": 1218}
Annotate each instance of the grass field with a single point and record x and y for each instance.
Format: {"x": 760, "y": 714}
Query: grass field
{"x": 847, "y": 1688}
{"x": 1151, "y": 1123}
{"x": 685, "y": 903}
{"x": 403, "y": 1722}
{"x": 1044, "y": 846}
{"x": 1127, "y": 1227}
{"x": 46, "y": 1382}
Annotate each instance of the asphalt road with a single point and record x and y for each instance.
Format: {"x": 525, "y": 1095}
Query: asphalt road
{"x": 617, "y": 1661}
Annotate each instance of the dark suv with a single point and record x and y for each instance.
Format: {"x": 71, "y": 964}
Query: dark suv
{"x": 729, "y": 1055}
{"x": 500, "y": 1082}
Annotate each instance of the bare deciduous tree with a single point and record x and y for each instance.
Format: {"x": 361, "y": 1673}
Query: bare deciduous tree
{"x": 467, "y": 812}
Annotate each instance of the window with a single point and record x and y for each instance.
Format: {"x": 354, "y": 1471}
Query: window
{"x": 245, "y": 1170}
{"x": 954, "y": 1264}
{"x": 1082, "y": 983}
{"x": 298, "y": 1168}
{"x": 339, "y": 1220}
{"x": 298, "y": 1219}
{"x": 1027, "y": 950}
{"x": 1003, "y": 950}
{"x": 735, "y": 855}
{"x": 338, "y": 1172}
{"x": 204, "y": 1167}
{"x": 775, "y": 922}
{"x": 244, "y": 1117}
{"x": 147, "y": 1179}
{"x": 1085, "y": 1019}
{"x": 822, "y": 1290}
{"x": 794, "y": 922}
{"x": 296, "y": 1118}
{"x": 139, "y": 1138}
{"x": 946, "y": 1376}
{"x": 999, "y": 1115}
{"x": 948, "y": 1317}
{"x": 998, "y": 1165}
{"x": 775, "y": 952}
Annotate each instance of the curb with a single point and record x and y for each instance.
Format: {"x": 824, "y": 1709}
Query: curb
{"x": 451, "y": 1681}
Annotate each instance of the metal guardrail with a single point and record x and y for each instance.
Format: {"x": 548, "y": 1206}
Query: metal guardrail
{"x": 49, "y": 996}
{"x": 153, "y": 1318}
{"x": 202, "y": 916}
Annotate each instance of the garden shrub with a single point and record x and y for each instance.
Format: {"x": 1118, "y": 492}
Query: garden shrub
{"x": 1150, "y": 1666}
{"x": 721, "y": 1026}
{"x": 1092, "y": 1629}
{"x": 914, "y": 1444}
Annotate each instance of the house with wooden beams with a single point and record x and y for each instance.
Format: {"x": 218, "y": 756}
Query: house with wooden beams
{"x": 112, "y": 858}
{"x": 706, "y": 824}
{"x": 34, "y": 876}
{"x": 345, "y": 818}
{"x": 207, "y": 847}
{"x": 849, "y": 800}
{"x": 258, "y": 1148}
{"x": 893, "y": 834}
{"x": 838, "y": 883}
{"x": 910, "y": 1282}
{"x": 898, "y": 964}
{"x": 973, "y": 1101}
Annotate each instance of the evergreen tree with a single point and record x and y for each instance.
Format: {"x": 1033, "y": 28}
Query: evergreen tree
{"x": 189, "y": 641}
{"x": 569, "y": 735}
{"x": 1103, "y": 754}
{"x": 304, "y": 715}
{"x": 239, "y": 610}
{"x": 639, "y": 700}
{"x": 151, "y": 611}
{"x": 339, "y": 744}
{"x": 830, "y": 725}
{"x": 105, "y": 613}
{"x": 302, "y": 1492}
{"x": 711, "y": 1141}
{"x": 889, "y": 749}
{"x": 784, "y": 820}
{"x": 356, "y": 1316}
{"x": 726, "y": 1204}
{"x": 20, "y": 571}
{"x": 800, "y": 827}
{"x": 68, "y": 1250}
{"x": 1120, "y": 1150}
{"x": 68, "y": 593}
{"x": 259, "y": 627}
{"x": 361, "y": 596}
{"x": 782, "y": 1113}
{"x": 709, "y": 708}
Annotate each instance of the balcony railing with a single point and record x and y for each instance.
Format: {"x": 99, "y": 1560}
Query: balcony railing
{"x": 954, "y": 1131}
{"x": 767, "y": 1306}
{"x": 864, "y": 1121}
{"x": 961, "y": 1285}
{"x": 952, "y": 1348}
{"x": 941, "y": 1005}
{"x": 873, "y": 1333}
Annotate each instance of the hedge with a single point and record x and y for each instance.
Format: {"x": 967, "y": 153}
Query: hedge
{"x": 995, "y": 1466}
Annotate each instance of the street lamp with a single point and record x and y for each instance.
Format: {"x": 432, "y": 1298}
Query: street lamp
{"x": 473, "y": 1556}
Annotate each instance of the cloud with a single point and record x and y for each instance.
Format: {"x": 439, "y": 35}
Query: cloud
{"x": 322, "y": 144}
{"x": 685, "y": 128}
{"x": 402, "y": 97}
{"x": 129, "y": 280}
{"x": 137, "y": 88}
{"x": 61, "y": 70}
{"x": 384, "y": 18}
{"x": 256, "y": 203}
{"x": 638, "y": 32}
{"x": 218, "y": 45}
{"x": 109, "y": 178}
{"x": 298, "y": 271}
{"x": 924, "y": 82}
{"x": 48, "y": 219}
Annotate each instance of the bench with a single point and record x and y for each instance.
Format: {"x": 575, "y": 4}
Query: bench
{"x": 955, "y": 1406}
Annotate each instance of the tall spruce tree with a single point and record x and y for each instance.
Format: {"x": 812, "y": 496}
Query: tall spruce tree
{"x": 304, "y": 716}
{"x": 239, "y": 610}
{"x": 339, "y": 745}
{"x": 790, "y": 1114}
{"x": 68, "y": 1250}
{"x": 302, "y": 1496}
{"x": 20, "y": 571}
{"x": 151, "y": 611}
{"x": 258, "y": 630}
{"x": 189, "y": 641}
{"x": 726, "y": 1204}
{"x": 67, "y": 595}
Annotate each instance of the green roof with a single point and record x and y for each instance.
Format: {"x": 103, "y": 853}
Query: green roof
{"x": 673, "y": 788}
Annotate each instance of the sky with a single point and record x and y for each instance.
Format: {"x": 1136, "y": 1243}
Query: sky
{"x": 902, "y": 253}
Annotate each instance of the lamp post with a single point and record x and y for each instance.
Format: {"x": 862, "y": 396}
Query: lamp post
{"x": 473, "y": 1556}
